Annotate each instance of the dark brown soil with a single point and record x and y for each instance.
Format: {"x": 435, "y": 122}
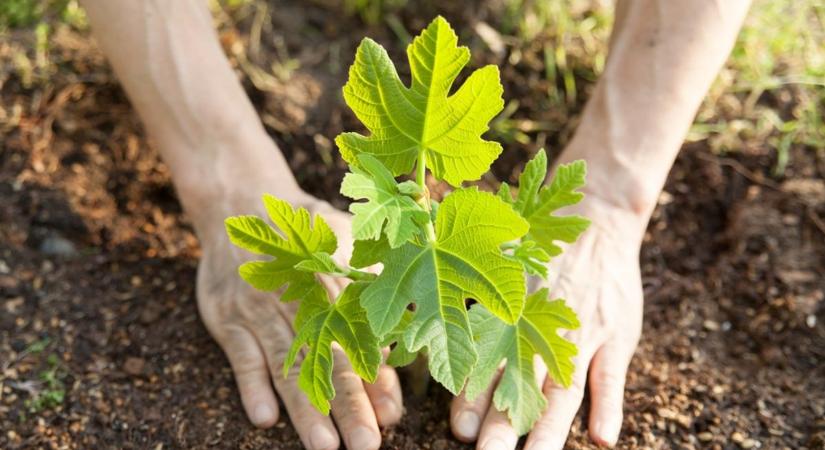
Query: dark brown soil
{"x": 97, "y": 263}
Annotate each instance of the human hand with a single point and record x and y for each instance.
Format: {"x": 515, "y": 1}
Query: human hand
{"x": 599, "y": 278}
{"x": 254, "y": 330}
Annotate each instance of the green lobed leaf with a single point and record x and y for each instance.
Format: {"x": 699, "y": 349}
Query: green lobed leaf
{"x": 530, "y": 180}
{"x": 518, "y": 391}
{"x": 399, "y": 356}
{"x": 410, "y": 188}
{"x": 464, "y": 262}
{"x": 296, "y": 241}
{"x": 345, "y": 323}
{"x": 537, "y": 203}
{"x": 423, "y": 121}
{"x": 504, "y": 193}
{"x": 369, "y": 252}
{"x": 372, "y": 181}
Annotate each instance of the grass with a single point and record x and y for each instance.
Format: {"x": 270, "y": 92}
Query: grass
{"x": 48, "y": 391}
{"x": 779, "y": 56}
{"x": 771, "y": 90}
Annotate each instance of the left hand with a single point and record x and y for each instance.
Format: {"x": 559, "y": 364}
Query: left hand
{"x": 600, "y": 279}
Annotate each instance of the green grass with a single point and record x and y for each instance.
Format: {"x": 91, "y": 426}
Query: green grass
{"x": 779, "y": 58}
{"x": 771, "y": 90}
{"x": 29, "y": 13}
{"x": 53, "y": 391}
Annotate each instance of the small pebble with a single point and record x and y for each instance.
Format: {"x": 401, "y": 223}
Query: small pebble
{"x": 748, "y": 443}
{"x": 134, "y": 366}
{"x": 705, "y": 436}
{"x": 57, "y": 245}
{"x": 737, "y": 437}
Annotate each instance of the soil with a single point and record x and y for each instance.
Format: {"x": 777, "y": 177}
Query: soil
{"x": 97, "y": 263}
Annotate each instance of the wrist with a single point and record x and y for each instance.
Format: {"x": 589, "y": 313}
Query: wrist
{"x": 617, "y": 183}
{"x": 227, "y": 177}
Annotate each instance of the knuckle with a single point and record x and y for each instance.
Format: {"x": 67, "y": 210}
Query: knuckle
{"x": 245, "y": 363}
{"x": 277, "y": 355}
{"x": 609, "y": 380}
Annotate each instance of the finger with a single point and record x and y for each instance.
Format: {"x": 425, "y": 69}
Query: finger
{"x": 351, "y": 407}
{"x": 315, "y": 430}
{"x": 251, "y": 374}
{"x": 466, "y": 415}
{"x": 550, "y": 432}
{"x": 496, "y": 432}
{"x": 385, "y": 396}
{"x": 607, "y": 378}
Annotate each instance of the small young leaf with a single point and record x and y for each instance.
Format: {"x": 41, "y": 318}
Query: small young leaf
{"x": 533, "y": 258}
{"x": 372, "y": 181}
{"x": 536, "y": 203}
{"x": 464, "y": 262}
{"x": 423, "y": 120}
{"x": 343, "y": 322}
{"x": 320, "y": 263}
{"x": 530, "y": 180}
{"x": 299, "y": 243}
{"x": 535, "y": 333}
{"x": 504, "y": 193}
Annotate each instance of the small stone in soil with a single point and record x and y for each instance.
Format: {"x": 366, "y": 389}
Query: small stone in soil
{"x": 134, "y": 366}
{"x": 58, "y": 246}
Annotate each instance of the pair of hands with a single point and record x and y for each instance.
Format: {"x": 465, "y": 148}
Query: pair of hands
{"x": 599, "y": 276}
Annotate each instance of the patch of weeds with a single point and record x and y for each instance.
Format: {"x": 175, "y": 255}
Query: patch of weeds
{"x": 48, "y": 391}
{"x": 28, "y": 13}
{"x": 373, "y": 11}
{"x": 52, "y": 391}
{"x": 773, "y": 86}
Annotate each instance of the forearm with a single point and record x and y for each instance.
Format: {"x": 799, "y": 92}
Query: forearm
{"x": 663, "y": 57}
{"x": 167, "y": 57}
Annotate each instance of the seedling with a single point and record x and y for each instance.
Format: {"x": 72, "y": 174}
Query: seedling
{"x": 474, "y": 248}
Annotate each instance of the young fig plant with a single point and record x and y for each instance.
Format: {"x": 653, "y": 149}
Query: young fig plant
{"x": 454, "y": 280}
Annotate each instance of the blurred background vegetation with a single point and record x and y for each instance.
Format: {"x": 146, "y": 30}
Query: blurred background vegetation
{"x": 772, "y": 90}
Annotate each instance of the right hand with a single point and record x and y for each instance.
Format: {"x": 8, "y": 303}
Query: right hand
{"x": 254, "y": 329}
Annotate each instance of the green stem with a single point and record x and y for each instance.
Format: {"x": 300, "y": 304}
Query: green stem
{"x": 421, "y": 171}
{"x": 421, "y": 180}
{"x": 352, "y": 274}
{"x": 358, "y": 275}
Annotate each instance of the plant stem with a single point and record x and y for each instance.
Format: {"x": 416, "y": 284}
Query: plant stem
{"x": 352, "y": 274}
{"x": 421, "y": 171}
{"x": 355, "y": 274}
{"x": 358, "y": 275}
{"x": 421, "y": 180}
{"x": 419, "y": 376}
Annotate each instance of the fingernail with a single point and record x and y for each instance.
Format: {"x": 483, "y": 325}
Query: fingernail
{"x": 467, "y": 424}
{"x": 363, "y": 438}
{"x": 607, "y": 432}
{"x": 263, "y": 414}
{"x": 320, "y": 438}
{"x": 495, "y": 444}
